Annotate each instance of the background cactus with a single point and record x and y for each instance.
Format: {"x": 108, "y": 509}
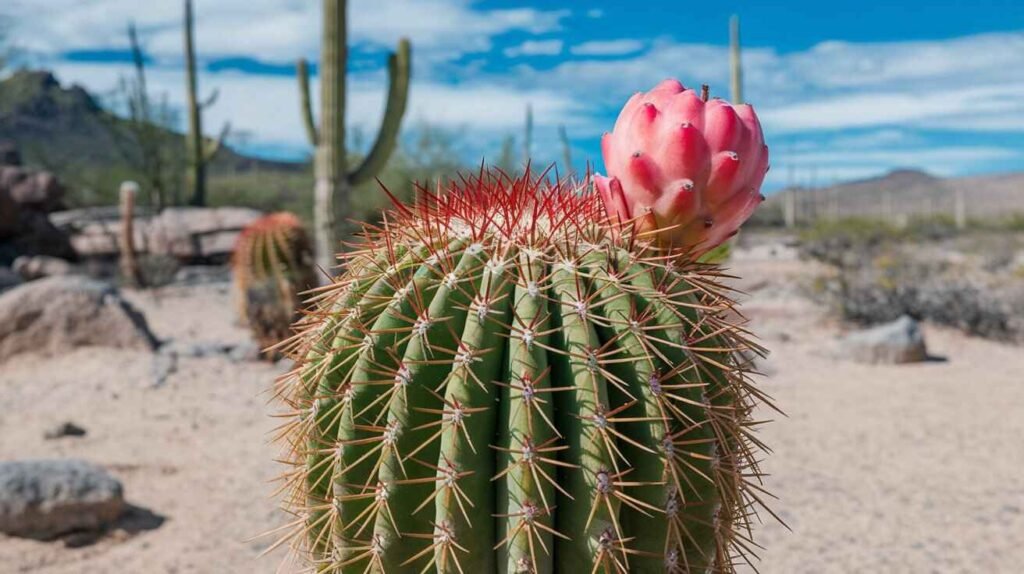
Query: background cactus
{"x": 722, "y": 253}
{"x": 503, "y": 380}
{"x": 200, "y": 151}
{"x": 273, "y": 264}
{"x": 735, "y": 63}
{"x": 334, "y": 181}
{"x": 126, "y": 237}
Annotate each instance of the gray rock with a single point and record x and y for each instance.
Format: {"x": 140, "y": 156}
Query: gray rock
{"x": 47, "y": 498}
{"x": 56, "y": 314}
{"x": 900, "y": 341}
{"x": 32, "y": 267}
{"x": 243, "y": 352}
{"x": 37, "y": 189}
{"x": 64, "y": 429}
{"x": 189, "y": 234}
{"x": 8, "y": 279}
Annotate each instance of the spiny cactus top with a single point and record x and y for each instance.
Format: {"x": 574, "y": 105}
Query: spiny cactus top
{"x": 688, "y": 167}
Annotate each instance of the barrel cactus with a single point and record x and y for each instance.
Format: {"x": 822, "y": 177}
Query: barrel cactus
{"x": 273, "y": 265}
{"x": 509, "y": 376}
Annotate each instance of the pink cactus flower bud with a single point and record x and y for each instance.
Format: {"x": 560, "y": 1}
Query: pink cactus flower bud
{"x": 687, "y": 169}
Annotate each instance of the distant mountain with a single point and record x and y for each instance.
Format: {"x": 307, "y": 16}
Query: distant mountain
{"x": 67, "y": 131}
{"x": 909, "y": 192}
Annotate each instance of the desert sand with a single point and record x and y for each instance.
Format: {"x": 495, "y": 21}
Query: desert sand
{"x": 914, "y": 468}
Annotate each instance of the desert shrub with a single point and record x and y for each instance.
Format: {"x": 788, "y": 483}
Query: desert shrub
{"x": 844, "y": 242}
{"x": 894, "y": 284}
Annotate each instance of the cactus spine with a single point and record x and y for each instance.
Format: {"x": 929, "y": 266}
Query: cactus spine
{"x": 503, "y": 380}
{"x": 334, "y": 181}
{"x": 200, "y": 151}
{"x": 272, "y": 264}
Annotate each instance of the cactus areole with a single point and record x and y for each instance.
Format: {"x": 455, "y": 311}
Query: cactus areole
{"x": 515, "y": 376}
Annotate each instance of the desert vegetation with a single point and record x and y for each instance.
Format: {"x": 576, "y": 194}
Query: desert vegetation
{"x": 402, "y": 354}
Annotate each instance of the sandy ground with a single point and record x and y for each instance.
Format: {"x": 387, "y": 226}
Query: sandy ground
{"x": 877, "y": 469}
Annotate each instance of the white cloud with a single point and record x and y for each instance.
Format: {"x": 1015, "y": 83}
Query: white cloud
{"x": 965, "y": 84}
{"x": 271, "y": 30}
{"x": 268, "y": 106}
{"x": 886, "y": 99}
{"x": 901, "y": 107}
{"x": 608, "y": 47}
{"x": 535, "y": 48}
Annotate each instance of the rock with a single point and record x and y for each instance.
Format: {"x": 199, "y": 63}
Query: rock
{"x": 195, "y": 233}
{"x": 32, "y": 267}
{"x": 35, "y": 235}
{"x": 39, "y": 190}
{"x": 190, "y": 234}
{"x": 244, "y": 352}
{"x": 47, "y": 498}
{"x": 56, "y": 314}
{"x": 64, "y": 429}
{"x": 893, "y": 343}
{"x": 8, "y": 279}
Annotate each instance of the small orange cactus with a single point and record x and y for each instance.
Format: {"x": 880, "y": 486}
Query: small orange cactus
{"x": 272, "y": 265}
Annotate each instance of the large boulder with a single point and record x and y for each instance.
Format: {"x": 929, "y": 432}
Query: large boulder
{"x": 9, "y": 279}
{"x": 900, "y": 341}
{"x": 47, "y": 498}
{"x": 39, "y": 190}
{"x": 32, "y": 267}
{"x": 26, "y": 197}
{"x": 57, "y": 314}
{"x": 189, "y": 234}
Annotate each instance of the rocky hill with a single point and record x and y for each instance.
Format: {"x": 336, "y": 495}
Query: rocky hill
{"x": 67, "y": 131}
{"x": 908, "y": 193}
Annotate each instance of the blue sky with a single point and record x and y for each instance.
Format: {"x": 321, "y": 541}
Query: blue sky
{"x": 844, "y": 91}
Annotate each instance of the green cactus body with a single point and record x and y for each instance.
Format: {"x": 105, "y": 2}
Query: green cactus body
{"x": 515, "y": 386}
{"x": 272, "y": 265}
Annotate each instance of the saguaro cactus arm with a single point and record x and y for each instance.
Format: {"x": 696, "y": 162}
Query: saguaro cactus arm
{"x": 212, "y": 146}
{"x": 399, "y": 72}
{"x": 306, "y": 103}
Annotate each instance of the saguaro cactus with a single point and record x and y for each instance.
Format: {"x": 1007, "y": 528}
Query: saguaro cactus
{"x": 334, "y": 181}
{"x": 272, "y": 264}
{"x": 563, "y": 136}
{"x": 735, "y": 62}
{"x": 126, "y": 239}
{"x": 528, "y": 134}
{"x": 518, "y": 376}
{"x": 200, "y": 151}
